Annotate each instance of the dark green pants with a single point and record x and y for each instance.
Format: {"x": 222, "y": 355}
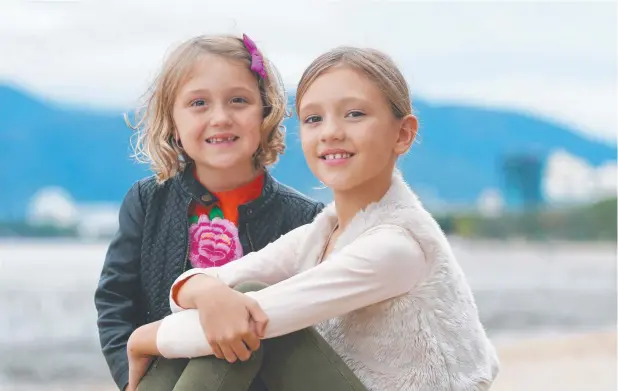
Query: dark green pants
{"x": 295, "y": 362}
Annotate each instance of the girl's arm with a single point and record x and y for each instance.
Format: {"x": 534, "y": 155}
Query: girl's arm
{"x": 382, "y": 263}
{"x": 275, "y": 262}
{"x": 141, "y": 349}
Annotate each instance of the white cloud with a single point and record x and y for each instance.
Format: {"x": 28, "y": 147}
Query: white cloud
{"x": 554, "y": 58}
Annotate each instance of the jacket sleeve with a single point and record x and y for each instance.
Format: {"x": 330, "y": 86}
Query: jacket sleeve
{"x": 319, "y": 206}
{"x": 116, "y": 294}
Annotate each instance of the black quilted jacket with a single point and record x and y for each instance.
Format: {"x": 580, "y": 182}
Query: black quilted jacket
{"x": 150, "y": 251}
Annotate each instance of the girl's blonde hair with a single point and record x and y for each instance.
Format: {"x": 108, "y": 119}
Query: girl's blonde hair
{"x": 155, "y": 126}
{"x": 377, "y": 66}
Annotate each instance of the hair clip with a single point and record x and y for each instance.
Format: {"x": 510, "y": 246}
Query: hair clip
{"x": 257, "y": 61}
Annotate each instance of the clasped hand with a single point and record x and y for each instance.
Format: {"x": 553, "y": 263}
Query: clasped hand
{"x": 233, "y": 322}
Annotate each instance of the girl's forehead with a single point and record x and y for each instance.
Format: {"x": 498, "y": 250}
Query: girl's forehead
{"x": 340, "y": 83}
{"x": 341, "y": 79}
{"x": 214, "y": 71}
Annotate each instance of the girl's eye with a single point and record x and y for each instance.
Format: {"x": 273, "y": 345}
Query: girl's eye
{"x": 198, "y": 103}
{"x": 239, "y": 100}
{"x": 312, "y": 119}
{"x": 355, "y": 113}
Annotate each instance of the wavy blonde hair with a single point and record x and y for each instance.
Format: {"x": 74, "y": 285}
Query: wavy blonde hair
{"x": 376, "y": 65}
{"x": 155, "y": 126}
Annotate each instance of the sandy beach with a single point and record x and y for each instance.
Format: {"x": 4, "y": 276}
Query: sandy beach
{"x": 585, "y": 362}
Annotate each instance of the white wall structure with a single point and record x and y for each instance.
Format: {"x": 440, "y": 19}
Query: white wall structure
{"x": 569, "y": 179}
{"x": 52, "y": 206}
{"x": 490, "y": 203}
{"x": 56, "y": 207}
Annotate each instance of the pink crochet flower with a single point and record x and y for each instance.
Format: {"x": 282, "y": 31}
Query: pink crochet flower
{"x": 213, "y": 243}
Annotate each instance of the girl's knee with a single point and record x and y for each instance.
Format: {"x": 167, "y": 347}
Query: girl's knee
{"x": 211, "y": 361}
{"x": 212, "y": 373}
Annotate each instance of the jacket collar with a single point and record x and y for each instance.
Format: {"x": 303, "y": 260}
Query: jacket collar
{"x": 197, "y": 192}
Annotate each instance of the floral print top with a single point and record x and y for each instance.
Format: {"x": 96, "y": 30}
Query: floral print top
{"x": 213, "y": 231}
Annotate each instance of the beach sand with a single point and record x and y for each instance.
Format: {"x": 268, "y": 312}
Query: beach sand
{"x": 585, "y": 362}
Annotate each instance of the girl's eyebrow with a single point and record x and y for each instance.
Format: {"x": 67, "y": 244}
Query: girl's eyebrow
{"x": 198, "y": 91}
{"x": 241, "y": 88}
{"x": 342, "y": 101}
{"x": 308, "y": 106}
{"x": 195, "y": 92}
{"x": 354, "y": 99}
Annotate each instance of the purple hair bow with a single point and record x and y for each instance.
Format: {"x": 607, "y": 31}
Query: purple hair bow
{"x": 257, "y": 62}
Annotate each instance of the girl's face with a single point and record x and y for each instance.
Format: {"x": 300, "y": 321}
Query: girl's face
{"x": 218, "y": 114}
{"x": 349, "y": 134}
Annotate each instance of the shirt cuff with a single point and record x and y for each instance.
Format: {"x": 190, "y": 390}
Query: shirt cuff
{"x": 180, "y": 335}
{"x": 174, "y": 306}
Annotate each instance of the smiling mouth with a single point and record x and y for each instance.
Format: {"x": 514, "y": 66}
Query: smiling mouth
{"x": 336, "y": 156}
{"x": 220, "y": 140}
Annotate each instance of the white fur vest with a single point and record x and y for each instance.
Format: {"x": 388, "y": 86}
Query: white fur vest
{"x": 430, "y": 339}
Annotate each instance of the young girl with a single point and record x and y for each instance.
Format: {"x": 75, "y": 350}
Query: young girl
{"x": 373, "y": 273}
{"x": 212, "y": 124}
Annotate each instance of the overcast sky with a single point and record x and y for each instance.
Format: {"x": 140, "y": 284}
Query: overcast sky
{"x": 555, "y": 59}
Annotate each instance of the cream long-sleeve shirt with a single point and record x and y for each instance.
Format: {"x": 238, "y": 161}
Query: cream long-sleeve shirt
{"x": 382, "y": 263}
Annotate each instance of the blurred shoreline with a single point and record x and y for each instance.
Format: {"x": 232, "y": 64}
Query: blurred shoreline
{"x": 549, "y": 307}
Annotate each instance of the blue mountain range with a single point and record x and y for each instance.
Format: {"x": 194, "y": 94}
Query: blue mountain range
{"x": 88, "y": 153}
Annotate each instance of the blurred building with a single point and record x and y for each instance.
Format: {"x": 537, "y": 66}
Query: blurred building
{"x": 523, "y": 176}
{"x": 55, "y": 207}
{"x": 570, "y": 180}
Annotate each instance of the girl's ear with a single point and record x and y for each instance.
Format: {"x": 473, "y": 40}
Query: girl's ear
{"x": 407, "y": 134}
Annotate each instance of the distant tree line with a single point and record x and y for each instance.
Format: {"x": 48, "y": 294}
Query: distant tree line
{"x": 594, "y": 222}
